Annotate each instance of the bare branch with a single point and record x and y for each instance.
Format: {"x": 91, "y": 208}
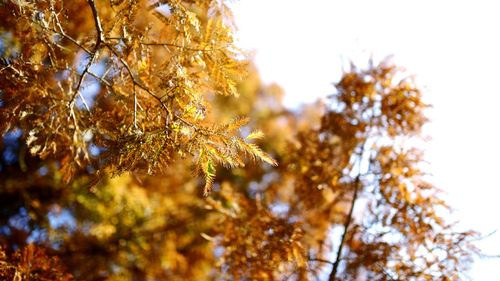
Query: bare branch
{"x": 97, "y": 21}
{"x": 348, "y": 221}
{"x": 320, "y": 260}
{"x": 93, "y": 56}
{"x": 135, "y": 108}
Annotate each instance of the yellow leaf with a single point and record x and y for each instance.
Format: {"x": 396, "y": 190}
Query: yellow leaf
{"x": 255, "y": 135}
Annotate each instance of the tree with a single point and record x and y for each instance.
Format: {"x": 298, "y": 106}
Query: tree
{"x": 108, "y": 107}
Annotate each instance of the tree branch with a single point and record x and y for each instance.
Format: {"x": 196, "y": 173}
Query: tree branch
{"x": 97, "y": 21}
{"x": 349, "y": 218}
{"x": 320, "y": 260}
{"x": 347, "y": 223}
{"x": 178, "y": 46}
{"x": 93, "y": 56}
{"x": 387, "y": 274}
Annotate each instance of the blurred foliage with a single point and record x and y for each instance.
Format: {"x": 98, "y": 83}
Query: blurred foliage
{"x": 109, "y": 109}
{"x": 31, "y": 263}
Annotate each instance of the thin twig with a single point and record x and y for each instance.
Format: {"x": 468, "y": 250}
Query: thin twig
{"x": 135, "y": 108}
{"x": 321, "y": 260}
{"x": 63, "y": 33}
{"x": 179, "y": 46}
{"x": 348, "y": 220}
{"x": 135, "y": 80}
{"x": 100, "y": 39}
{"x": 101, "y": 79}
{"x": 387, "y": 274}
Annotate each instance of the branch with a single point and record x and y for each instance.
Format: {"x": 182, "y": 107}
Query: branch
{"x": 71, "y": 39}
{"x": 179, "y": 46}
{"x": 97, "y": 21}
{"x": 101, "y": 79}
{"x": 348, "y": 220}
{"x": 62, "y": 33}
{"x": 320, "y": 260}
{"x": 136, "y": 81}
{"x": 387, "y": 274}
{"x": 135, "y": 108}
{"x": 347, "y": 223}
{"x": 93, "y": 56}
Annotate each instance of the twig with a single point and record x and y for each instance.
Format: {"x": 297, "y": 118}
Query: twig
{"x": 348, "y": 220}
{"x": 97, "y": 21}
{"x": 61, "y": 32}
{"x": 135, "y": 80}
{"x": 100, "y": 39}
{"x": 387, "y": 274}
{"x": 135, "y": 108}
{"x": 101, "y": 79}
{"x": 320, "y": 260}
{"x": 179, "y": 46}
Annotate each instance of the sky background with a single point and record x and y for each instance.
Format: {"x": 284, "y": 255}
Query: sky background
{"x": 452, "y": 48}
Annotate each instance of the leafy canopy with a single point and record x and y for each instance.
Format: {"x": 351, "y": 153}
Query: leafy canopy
{"x": 129, "y": 79}
{"x": 108, "y": 106}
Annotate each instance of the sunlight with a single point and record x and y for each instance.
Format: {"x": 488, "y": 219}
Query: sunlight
{"x": 451, "y": 49}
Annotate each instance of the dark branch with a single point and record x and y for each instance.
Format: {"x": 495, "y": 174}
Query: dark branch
{"x": 320, "y": 260}
{"x": 97, "y": 21}
{"x": 347, "y": 223}
{"x": 100, "y": 38}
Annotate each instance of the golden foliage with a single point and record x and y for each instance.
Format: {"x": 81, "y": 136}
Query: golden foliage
{"x": 106, "y": 106}
{"x": 136, "y": 85}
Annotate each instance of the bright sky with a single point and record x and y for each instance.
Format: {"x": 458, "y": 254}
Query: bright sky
{"x": 453, "y": 48}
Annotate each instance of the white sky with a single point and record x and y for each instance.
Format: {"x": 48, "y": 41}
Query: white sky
{"x": 453, "y": 48}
